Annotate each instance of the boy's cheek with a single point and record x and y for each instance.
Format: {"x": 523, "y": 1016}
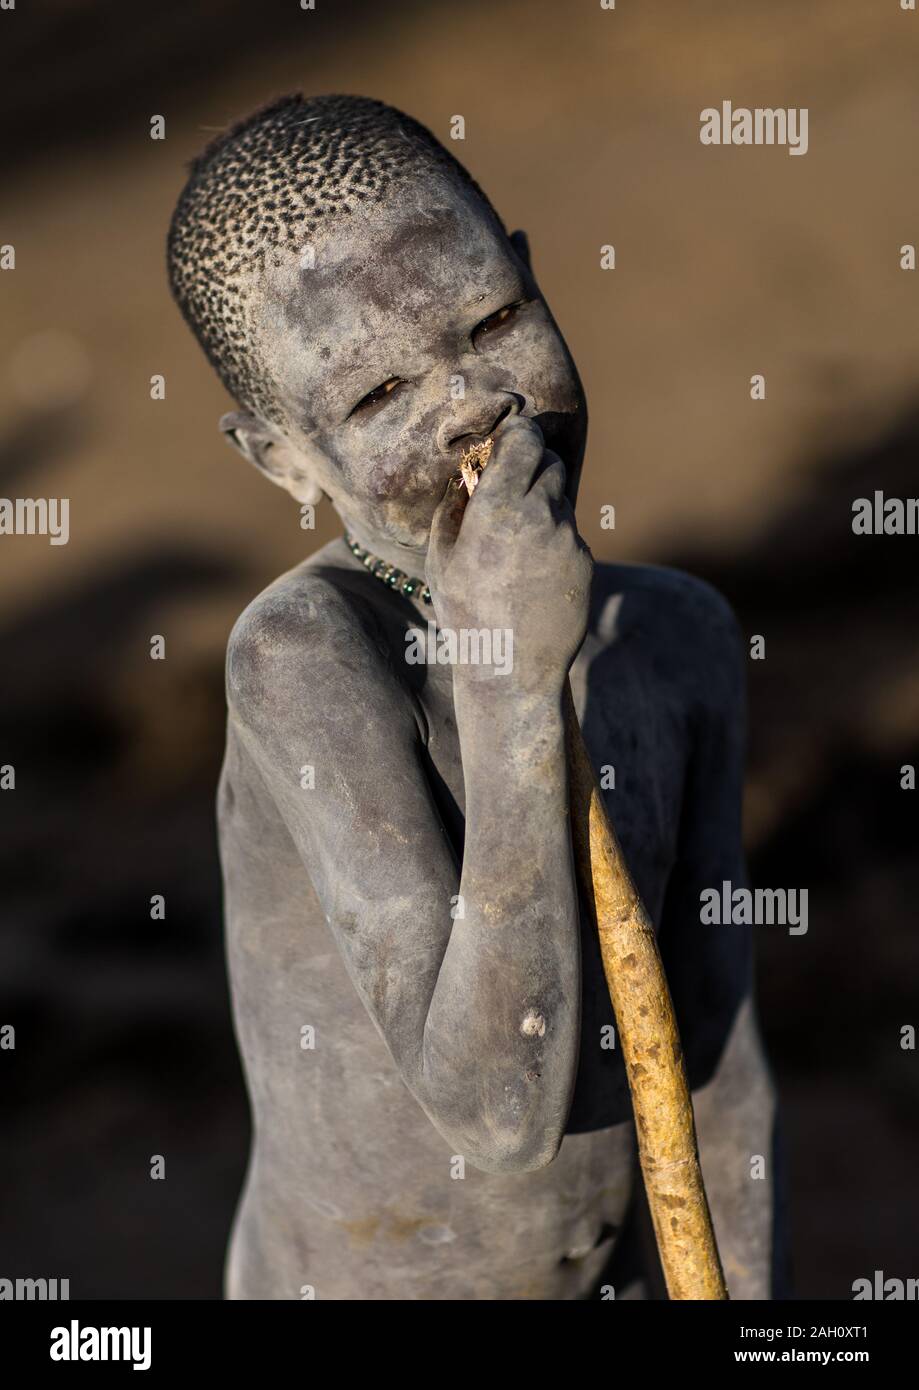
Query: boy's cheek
{"x": 399, "y": 461}
{"x": 396, "y": 478}
{"x": 409, "y": 472}
{"x": 535, "y": 363}
{"x": 554, "y": 385}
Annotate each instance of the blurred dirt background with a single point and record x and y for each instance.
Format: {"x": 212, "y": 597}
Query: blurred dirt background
{"x": 582, "y": 125}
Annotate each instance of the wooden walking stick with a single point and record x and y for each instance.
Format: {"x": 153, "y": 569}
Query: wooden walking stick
{"x": 648, "y": 1032}
{"x": 649, "y": 1038}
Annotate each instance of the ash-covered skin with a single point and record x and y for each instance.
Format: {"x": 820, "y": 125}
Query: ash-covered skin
{"x": 417, "y": 906}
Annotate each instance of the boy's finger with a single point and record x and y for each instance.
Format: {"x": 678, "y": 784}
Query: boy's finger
{"x": 550, "y": 476}
{"x": 519, "y": 447}
{"x": 446, "y": 522}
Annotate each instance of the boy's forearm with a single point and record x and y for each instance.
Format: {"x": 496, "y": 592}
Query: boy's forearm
{"x": 502, "y": 1029}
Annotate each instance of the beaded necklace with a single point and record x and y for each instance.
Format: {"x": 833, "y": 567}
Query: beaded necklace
{"x": 381, "y": 569}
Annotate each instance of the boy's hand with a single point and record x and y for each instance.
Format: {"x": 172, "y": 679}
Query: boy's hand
{"x": 510, "y": 557}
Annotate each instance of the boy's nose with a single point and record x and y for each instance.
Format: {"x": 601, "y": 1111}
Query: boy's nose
{"x": 481, "y": 420}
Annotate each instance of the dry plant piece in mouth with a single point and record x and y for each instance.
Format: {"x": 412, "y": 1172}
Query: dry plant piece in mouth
{"x": 473, "y": 460}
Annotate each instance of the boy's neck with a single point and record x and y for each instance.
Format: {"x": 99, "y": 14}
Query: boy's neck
{"x": 410, "y": 559}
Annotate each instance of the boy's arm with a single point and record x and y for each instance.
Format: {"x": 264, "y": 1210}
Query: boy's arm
{"x": 471, "y": 976}
{"x": 710, "y": 971}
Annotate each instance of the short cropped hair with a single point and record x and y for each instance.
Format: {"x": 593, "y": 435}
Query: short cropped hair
{"x": 269, "y": 182}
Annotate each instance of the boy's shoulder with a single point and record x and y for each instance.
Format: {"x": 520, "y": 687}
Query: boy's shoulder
{"x": 668, "y": 595}
{"x": 679, "y": 624}
{"x": 300, "y": 635}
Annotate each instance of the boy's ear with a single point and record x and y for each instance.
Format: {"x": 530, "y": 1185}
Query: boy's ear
{"x": 521, "y": 245}
{"x": 271, "y": 454}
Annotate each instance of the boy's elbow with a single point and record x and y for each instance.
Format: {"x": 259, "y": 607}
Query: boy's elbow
{"x": 508, "y": 1119}
{"x": 517, "y": 1157}
{"x": 493, "y": 1146}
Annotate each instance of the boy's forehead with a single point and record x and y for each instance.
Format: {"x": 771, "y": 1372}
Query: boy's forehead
{"x": 373, "y": 288}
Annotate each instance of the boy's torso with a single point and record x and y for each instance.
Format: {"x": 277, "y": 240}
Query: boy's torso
{"x": 350, "y": 1190}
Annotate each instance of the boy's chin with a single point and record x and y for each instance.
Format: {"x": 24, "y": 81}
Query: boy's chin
{"x": 393, "y": 539}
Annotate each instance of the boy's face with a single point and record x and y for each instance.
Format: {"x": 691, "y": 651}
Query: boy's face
{"x": 417, "y": 330}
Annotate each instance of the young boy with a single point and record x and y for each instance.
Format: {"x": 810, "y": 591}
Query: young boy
{"x": 440, "y": 1107}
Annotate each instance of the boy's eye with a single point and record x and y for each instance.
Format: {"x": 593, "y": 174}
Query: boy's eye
{"x": 378, "y": 394}
{"x": 495, "y": 320}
